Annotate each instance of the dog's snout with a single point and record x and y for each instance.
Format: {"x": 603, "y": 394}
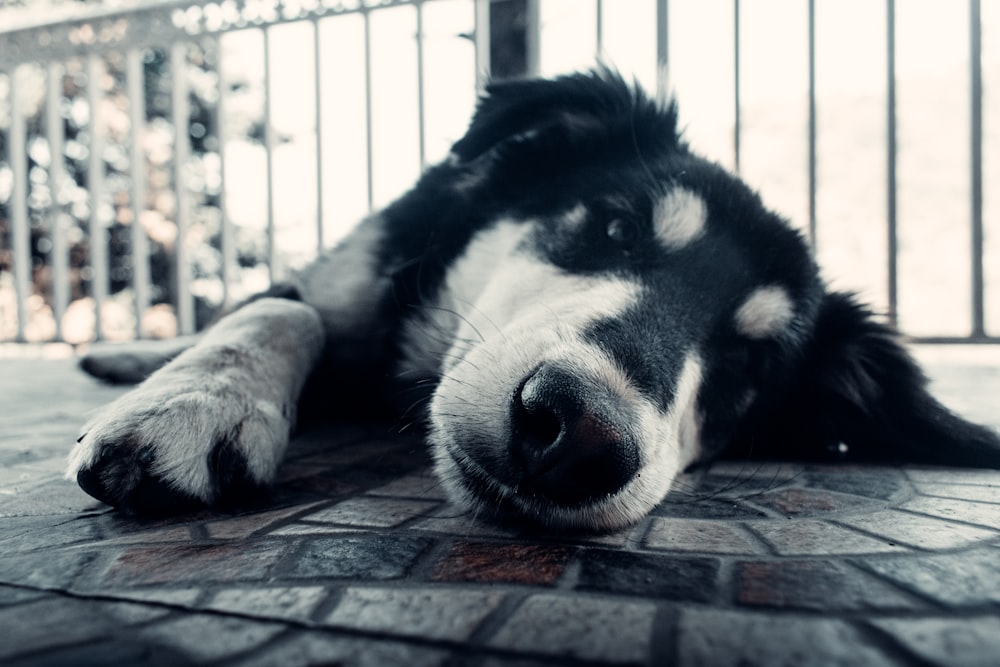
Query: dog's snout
{"x": 569, "y": 438}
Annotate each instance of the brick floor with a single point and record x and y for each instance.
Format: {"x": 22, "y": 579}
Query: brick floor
{"x": 358, "y": 559}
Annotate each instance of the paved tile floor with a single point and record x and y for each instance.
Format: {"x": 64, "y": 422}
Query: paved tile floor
{"x": 357, "y": 559}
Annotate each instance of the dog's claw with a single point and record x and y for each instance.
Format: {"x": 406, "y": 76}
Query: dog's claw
{"x": 125, "y": 483}
{"x": 229, "y": 470}
{"x": 90, "y": 481}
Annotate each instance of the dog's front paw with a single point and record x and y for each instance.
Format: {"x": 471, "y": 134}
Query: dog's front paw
{"x": 163, "y": 450}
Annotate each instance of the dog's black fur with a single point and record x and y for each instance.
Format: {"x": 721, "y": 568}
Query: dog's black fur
{"x": 587, "y": 301}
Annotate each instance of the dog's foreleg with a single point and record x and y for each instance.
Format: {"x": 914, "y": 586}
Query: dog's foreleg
{"x": 133, "y": 362}
{"x": 213, "y": 424}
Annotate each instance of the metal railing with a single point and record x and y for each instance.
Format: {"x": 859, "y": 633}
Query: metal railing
{"x": 120, "y": 183}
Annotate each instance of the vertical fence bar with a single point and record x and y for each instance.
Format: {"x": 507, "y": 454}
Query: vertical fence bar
{"x": 891, "y": 154}
{"x": 181, "y": 115}
{"x": 95, "y": 185}
{"x": 57, "y": 216}
{"x": 135, "y": 81}
{"x": 368, "y": 110}
{"x": 318, "y": 121}
{"x": 421, "y": 110}
{"x": 269, "y": 143}
{"x": 21, "y": 231}
{"x": 737, "y": 139}
{"x": 976, "y": 166}
{"x": 662, "y": 51}
{"x": 599, "y": 30}
{"x": 533, "y": 38}
{"x": 227, "y": 246}
{"x": 481, "y": 42}
{"x": 813, "y": 240}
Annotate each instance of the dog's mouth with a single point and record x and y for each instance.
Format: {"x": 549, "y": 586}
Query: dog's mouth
{"x": 569, "y": 443}
{"x": 523, "y": 506}
{"x": 566, "y": 453}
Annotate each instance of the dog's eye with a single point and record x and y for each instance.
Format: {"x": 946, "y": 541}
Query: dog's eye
{"x": 622, "y": 232}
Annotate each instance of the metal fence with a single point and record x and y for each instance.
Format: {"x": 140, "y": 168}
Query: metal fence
{"x": 161, "y": 160}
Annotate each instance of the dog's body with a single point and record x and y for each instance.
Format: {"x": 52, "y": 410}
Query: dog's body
{"x": 590, "y": 307}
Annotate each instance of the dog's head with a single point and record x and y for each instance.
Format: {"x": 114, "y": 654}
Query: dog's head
{"x": 631, "y": 309}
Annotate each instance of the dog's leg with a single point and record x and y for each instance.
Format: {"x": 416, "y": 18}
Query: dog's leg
{"x": 212, "y": 424}
{"x": 133, "y": 362}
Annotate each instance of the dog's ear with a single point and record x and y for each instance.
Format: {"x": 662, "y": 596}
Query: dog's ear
{"x": 598, "y": 103}
{"x": 862, "y": 389}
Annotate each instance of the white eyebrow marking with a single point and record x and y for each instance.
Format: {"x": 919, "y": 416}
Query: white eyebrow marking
{"x": 765, "y": 312}
{"x": 679, "y": 217}
{"x": 575, "y": 217}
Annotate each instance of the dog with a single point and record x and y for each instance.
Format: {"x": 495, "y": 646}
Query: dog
{"x": 588, "y": 307}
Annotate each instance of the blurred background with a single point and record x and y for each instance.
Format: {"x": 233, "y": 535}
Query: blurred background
{"x": 161, "y": 159}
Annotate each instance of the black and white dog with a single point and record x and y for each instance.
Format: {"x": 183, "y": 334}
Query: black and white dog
{"x": 591, "y": 307}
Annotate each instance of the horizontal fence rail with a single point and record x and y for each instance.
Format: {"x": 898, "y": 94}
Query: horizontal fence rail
{"x": 163, "y": 160}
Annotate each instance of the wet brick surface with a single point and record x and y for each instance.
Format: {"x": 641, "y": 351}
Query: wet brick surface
{"x": 816, "y": 584}
{"x": 485, "y": 562}
{"x": 367, "y": 556}
{"x": 357, "y": 559}
{"x": 722, "y": 637}
{"x": 431, "y": 613}
{"x": 584, "y": 628}
{"x": 672, "y": 578}
{"x": 974, "y": 640}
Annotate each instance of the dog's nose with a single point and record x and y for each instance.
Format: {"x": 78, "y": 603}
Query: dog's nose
{"x": 570, "y": 438}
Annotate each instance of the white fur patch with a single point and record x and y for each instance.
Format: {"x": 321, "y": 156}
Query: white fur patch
{"x": 672, "y": 442}
{"x": 765, "y": 313}
{"x": 528, "y": 294}
{"x": 679, "y": 218}
{"x": 472, "y": 178}
{"x": 575, "y": 217}
{"x": 493, "y": 289}
{"x": 427, "y": 338}
{"x": 685, "y": 410}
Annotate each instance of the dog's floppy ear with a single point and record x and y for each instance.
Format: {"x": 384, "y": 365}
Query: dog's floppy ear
{"x": 598, "y": 103}
{"x": 860, "y": 387}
